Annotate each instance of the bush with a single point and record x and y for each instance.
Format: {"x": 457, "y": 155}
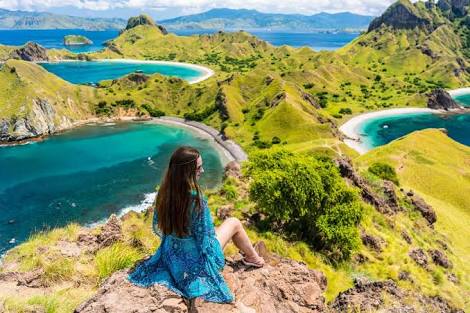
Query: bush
{"x": 345, "y": 111}
{"x": 152, "y": 111}
{"x": 306, "y": 197}
{"x": 384, "y": 171}
{"x": 275, "y": 140}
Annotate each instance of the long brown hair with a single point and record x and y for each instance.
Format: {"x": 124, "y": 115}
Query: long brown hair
{"x": 174, "y": 196}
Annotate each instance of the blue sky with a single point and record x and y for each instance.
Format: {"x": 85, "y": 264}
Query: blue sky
{"x": 161, "y": 9}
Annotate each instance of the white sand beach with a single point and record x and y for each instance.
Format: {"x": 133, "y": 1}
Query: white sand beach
{"x": 351, "y": 127}
{"x": 459, "y": 92}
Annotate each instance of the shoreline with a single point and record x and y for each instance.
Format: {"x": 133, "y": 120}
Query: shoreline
{"x": 459, "y": 91}
{"x": 351, "y": 127}
{"x": 206, "y": 72}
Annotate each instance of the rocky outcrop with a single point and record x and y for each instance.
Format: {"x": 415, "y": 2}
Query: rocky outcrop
{"x": 391, "y": 196}
{"x": 387, "y": 297}
{"x": 375, "y": 243}
{"x": 310, "y": 99}
{"x": 426, "y": 210}
{"x": 144, "y": 19}
{"x": 439, "y": 99}
{"x": 137, "y": 78}
{"x": 419, "y": 256}
{"x": 31, "y": 51}
{"x": 110, "y": 233}
{"x": 221, "y": 104}
{"x": 277, "y": 99}
{"x": 348, "y": 172}
{"x": 439, "y": 258}
{"x": 286, "y": 286}
{"x": 402, "y": 15}
{"x": 41, "y": 120}
{"x": 232, "y": 169}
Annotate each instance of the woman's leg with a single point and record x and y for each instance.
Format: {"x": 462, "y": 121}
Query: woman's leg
{"x": 233, "y": 229}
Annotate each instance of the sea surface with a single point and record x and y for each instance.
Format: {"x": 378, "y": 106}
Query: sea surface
{"x": 55, "y": 38}
{"x": 81, "y": 72}
{"x": 379, "y": 131}
{"x": 86, "y": 174}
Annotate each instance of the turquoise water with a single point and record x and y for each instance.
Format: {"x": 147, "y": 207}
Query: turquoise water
{"x": 379, "y": 131}
{"x": 82, "y": 72}
{"x": 86, "y": 174}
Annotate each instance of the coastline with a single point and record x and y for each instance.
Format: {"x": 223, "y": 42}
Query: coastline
{"x": 206, "y": 72}
{"x": 351, "y": 127}
{"x": 459, "y": 91}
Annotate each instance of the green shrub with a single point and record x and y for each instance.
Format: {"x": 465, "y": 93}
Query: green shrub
{"x": 152, "y": 111}
{"x": 384, "y": 171}
{"x": 275, "y": 140}
{"x": 345, "y": 111}
{"x": 306, "y": 197}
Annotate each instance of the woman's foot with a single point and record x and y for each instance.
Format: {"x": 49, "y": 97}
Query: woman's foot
{"x": 254, "y": 260}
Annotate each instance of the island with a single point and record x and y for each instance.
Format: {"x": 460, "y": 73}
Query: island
{"x": 76, "y": 40}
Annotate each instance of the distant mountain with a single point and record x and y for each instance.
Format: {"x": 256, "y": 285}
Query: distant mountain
{"x": 230, "y": 19}
{"x": 44, "y": 20}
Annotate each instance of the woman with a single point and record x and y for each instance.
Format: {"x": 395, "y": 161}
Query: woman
{"x": 190, "y": 256}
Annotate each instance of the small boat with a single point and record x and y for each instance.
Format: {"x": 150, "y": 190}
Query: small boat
{"x": 13, "y": 240}
{"x": 138, "y": 71}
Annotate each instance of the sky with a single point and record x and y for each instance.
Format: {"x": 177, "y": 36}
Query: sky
{"x": 162, "y": 9}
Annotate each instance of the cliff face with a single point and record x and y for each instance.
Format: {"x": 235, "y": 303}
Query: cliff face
{"x": 42, "y": 120}
{"x": 440, "y": 99}
{"x": 30, "y": 52}
{"x": 403, "y": 15}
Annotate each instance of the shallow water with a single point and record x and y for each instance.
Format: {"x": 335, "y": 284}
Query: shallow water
{"x": 88, "y": 173}
{"x": 81, "y": 72}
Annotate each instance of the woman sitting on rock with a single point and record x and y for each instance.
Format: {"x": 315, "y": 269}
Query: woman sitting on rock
{"x": 190, "y": 257}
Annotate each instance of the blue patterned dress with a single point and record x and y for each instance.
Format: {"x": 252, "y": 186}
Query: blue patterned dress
{"x": 189, "y": 266}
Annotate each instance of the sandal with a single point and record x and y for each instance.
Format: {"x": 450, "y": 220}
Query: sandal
{"x": 248, "y": 263}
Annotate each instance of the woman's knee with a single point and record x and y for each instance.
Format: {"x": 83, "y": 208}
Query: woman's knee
{"x": 237, "y": 225}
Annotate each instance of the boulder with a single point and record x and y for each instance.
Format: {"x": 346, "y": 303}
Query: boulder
{"x": 375, "y": 243}
{"x": 419, "y": 256}
{"x": 439, "y": 99}
{"x": 426, "y": 210}
{"x": 391, "y": 196}
{"x": 439, "y": 258}
{"x": 288, "y": 286}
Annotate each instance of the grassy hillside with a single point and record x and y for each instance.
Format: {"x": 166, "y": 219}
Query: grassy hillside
{"x": 22, "y": 82}
{"x": 437, "y": 168}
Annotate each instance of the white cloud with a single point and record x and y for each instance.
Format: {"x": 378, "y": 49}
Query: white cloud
{"x": 370, "y": 7}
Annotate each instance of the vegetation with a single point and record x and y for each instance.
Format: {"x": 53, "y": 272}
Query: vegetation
{"x": 384, "y": 171}
{"x": 307, "y": 197}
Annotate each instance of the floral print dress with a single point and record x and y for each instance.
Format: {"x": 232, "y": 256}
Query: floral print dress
{"x": 189, "y": 266}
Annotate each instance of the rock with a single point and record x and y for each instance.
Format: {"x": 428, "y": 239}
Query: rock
{"x": 368, "y": 195}
{"x": 277, "y": 99}
{"x": 31, "y": 279}
{"x": 439, "y": 99}
{"x": 372, "y": 242}
{"x": 31, "y": 51}
{"x": 405, "y": 275}
{"x": 438, "y": 304}
{"x": 403, "y": 15}
{"x": 225, "y": 211}
{"x": 407, "y": 237}
{"x": 419, "y": 256}
{"x": 426, "y": 210}
{"x": 360, "y": 258}
{"x": 287, "y": 287}
{"x": 144, "y": 19}
{"x": 137, "y": 78}
{"x": 232, "y": 169}
{"x": 439, "y": 258}
{"x": 310, "y": 99}
{"x": 366, "y": 296}
{"x": 452, "y": 278}
{"x": 391, "y": 196}
{"x": 268, "y": 80}
{"x": 110, "y": 232}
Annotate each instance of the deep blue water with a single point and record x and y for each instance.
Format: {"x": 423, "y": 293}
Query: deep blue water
{"x": 54, "y": 38}
{"x": 80, "y": 72}
{"x": 88, "y": 173}
{"x": 316, "y": 41}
